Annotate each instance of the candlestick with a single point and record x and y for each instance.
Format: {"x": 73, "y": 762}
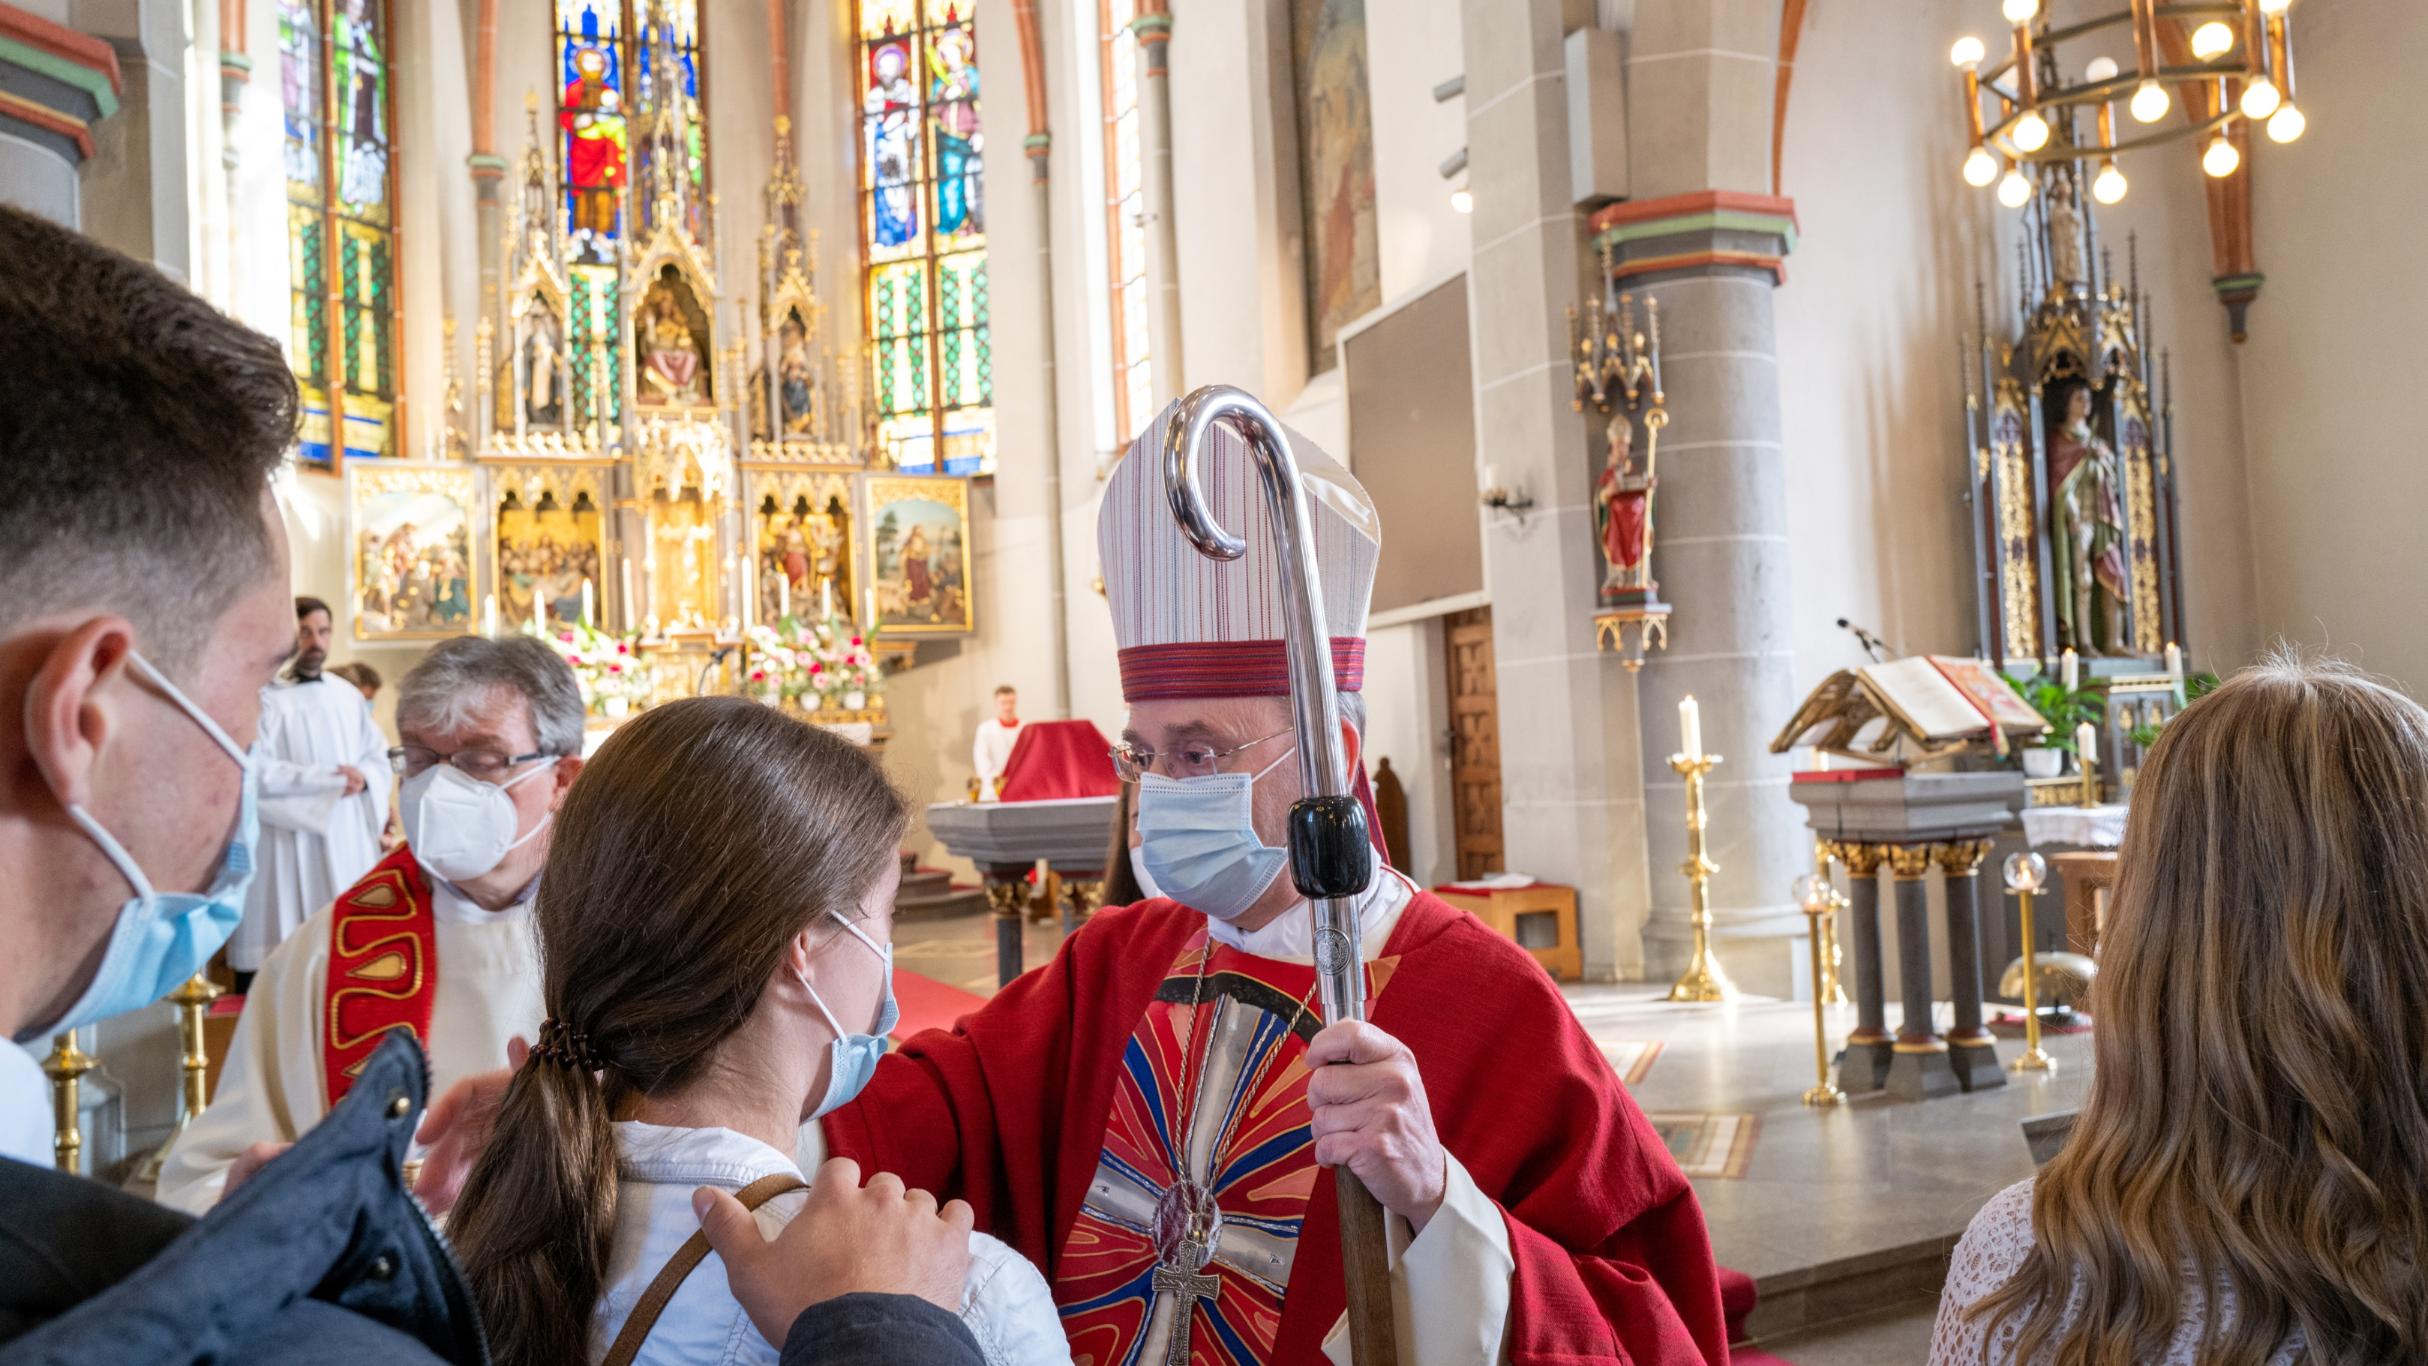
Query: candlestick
{"x": 2175, "y": 660}
{"x": 1833, "y": 991}
{"x": 1817, "y": 899}
{"x": 2086, "y": 749}
{"x": 2069, "y": 669}
{"x": 2024, "y": 875}
{"x": 66, "y": 1067}
{"x": 193, "y": 1001}
{"x": 587, "y": 604}
{"x": 1704, "y": 980}
{"x": 1690, "y": 726}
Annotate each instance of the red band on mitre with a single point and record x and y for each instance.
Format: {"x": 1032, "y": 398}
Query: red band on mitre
{"x": 1232, "y": 668}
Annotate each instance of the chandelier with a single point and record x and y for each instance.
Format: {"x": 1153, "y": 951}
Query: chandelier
{"x": 2240, "y": 68}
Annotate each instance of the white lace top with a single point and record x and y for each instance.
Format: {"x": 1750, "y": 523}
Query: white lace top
{"x": 1993, "y": 1247}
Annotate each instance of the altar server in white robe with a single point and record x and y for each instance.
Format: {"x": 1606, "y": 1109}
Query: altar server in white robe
{"x": 324, "y": 794}
{"x": 436, "y": 939}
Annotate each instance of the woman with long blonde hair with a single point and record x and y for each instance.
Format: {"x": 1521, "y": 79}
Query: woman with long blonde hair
{"x": 2248, "y": 1182}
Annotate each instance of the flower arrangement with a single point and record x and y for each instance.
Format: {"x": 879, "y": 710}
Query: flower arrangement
{"x": 612, "y": 677}
{"x": 820, "y": 666}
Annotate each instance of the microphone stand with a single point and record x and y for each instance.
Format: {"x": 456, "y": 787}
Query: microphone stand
{"x": 1331, "y": 852}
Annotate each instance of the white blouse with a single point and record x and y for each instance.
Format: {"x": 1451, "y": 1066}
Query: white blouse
{"x": 1994, "y": 1248}
{"x": 1005, "y": 1303}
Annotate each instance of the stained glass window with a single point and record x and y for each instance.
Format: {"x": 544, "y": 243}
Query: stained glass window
{"x": 923, "y": 229}
{"x": 1125, "y": 233}
{"x": 341, "y": 219}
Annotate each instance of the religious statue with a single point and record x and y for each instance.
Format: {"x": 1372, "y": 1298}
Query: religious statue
{"x": 2066, "y": 268}
{"x": 1622, "y": 502}
{"x": 826, "y": 546}
{"x": 671, "y": 364}
{"x": 593, "y": 120}
{"x": 793, "y": 376}
{"x": 918, "y": 571}
{"x": 2087, "y": 530}
{"x": 543, "y": 403}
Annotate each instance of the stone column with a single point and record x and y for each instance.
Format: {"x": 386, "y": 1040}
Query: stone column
{"x": 1973, "y": 1050}
{"x": 1039, "y": 145}
{"x": 1153, "y": 28}
{"x": 1570, "y": 776}
{"x": 1919, "y": 1067}
{"x": 1865, "y": 1067}
{"x": 1703, "y": 235}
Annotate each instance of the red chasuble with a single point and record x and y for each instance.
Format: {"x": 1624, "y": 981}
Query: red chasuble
{"x": 383, "y": 968}
{"x": 1136, "y": 1085}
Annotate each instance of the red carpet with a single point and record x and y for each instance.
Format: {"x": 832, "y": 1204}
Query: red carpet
{"x": 929, "y": 1004}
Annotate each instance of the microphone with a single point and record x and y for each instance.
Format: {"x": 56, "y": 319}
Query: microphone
{"x": 715, "y": 657}
{"x": 1872, "y": 644}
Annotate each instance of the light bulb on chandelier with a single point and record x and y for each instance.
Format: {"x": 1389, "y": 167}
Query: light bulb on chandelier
{"x": 1967, "y": 53}
{"x": 2020, "y": 11}
{"x": 1462, "y": 200}
{"x": 1980, "y": 168}
{"x": 2272, "y": 8}
{"x": 2212, "y": 40}
{"x": 2261, "y": 98}
{"x": 2150, "y": 102}
{"x": 2015, "y": 191}
{"x": 2221, "y": 158}
{"x": 2286, "y": 123}
{"x": 2109, "y": 185}
{"x": 2100, "y": 69}
{"x": 2031, "y": 132}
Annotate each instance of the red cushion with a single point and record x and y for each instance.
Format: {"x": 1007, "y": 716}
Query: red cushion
{"x": 1056, "y": 759}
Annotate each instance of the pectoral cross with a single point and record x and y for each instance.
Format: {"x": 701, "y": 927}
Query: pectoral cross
{"x": 1185, "y": 1279}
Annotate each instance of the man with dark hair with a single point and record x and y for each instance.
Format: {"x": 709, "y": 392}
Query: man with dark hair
{"x": 324, "y": 794}
{"x": 143, "y": 604}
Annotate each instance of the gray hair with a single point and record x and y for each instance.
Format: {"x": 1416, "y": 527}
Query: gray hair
{"x": 463, "y": 673}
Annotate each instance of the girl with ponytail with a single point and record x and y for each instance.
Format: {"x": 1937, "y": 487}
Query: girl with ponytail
{"x": 715, "y": 935}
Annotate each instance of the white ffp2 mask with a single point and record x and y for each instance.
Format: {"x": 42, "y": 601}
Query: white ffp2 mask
{"x": 460, "y": 827}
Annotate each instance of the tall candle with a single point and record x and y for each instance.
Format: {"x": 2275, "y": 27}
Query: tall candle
{"x": 631, "y": 615}
{"x": 489, "y": 615}
{"x": 539, "y": 621}
{"x": 2175, "y": 660}
{"x": 2086, "y": 742}
{"x": 784, "y": 596}
{"x": 588, "y": 606}
{"x": 1690, "y": 726}
{"x": 2069, "y": 670}
{"x": 868, "y": 609}
{"x": 826, "y": 599}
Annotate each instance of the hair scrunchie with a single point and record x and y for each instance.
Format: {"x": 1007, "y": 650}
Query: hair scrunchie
{"x": 567, "y": 1047}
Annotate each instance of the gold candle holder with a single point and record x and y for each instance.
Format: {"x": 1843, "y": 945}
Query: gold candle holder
{"x": 66, "y": 1067}
{"x": 1832, "y": 991}
{"x": 1704, "y": 979}
{"x": 193, "y": 1001}
{"x": 2026, "y": 874}
{"x": 1819, "y": 899}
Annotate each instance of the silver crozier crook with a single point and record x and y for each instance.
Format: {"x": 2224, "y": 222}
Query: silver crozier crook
{"x": 1331, "y": 851}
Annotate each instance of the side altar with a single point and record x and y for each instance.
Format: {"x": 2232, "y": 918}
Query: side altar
{"x": 2069, "y": 446}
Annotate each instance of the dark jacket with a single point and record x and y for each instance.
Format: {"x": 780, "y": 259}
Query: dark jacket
{"x": 321, "y": 1257}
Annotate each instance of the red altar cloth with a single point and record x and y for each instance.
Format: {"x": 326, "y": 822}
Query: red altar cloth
{"x": 1058, "y": 759}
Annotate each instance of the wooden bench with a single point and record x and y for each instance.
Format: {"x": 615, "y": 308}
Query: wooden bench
{"x": 1541, "y": 919}
{"x": 2090, "y": 878}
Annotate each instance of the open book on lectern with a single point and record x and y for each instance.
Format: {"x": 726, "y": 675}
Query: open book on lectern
{"x": 1910, "y": 710}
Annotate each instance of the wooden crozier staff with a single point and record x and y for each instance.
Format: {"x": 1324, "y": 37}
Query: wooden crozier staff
{"x": 1331, "y": 851}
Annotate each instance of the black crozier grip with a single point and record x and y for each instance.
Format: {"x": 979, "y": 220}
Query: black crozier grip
{"x": 1331, "y": 853}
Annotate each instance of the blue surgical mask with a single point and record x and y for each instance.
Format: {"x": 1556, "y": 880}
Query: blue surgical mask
{"x": 163, "y": 938}
{"x": 852, "y": 1058}
{"x": 1198, "y": 843}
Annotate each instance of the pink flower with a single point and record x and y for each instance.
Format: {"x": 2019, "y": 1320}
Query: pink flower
{"x": 855, "y": 640}
{"x": 758, "y": 675}
{"x": 574, "y": 660}
{"x": 566, "y": 636}
{"x": 615, "y": 668}
{"x": 623, "y": 648}
{"x": 817, "y": 668}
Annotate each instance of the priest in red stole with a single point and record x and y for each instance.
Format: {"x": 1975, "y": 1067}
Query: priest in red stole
{"x": 1149, "y": 1117}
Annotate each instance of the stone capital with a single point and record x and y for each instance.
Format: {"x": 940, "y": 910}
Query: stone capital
{"x": 1862, "y": 860}
{"x": 1708, "y": 232}
{"x": 1961, "y": 858}
{"x": 1910, "y": 862}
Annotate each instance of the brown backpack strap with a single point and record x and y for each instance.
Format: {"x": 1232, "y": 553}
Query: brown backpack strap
{"x": 678, "y": 1268}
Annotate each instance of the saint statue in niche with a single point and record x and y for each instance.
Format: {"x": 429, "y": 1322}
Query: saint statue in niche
{"x": 2066, "y": 267}
{"x": 953, "y": 97}
{"x": 672, "y": 364}
{"x": 2086, "y": 513}
{"x": 793, "y": 375}
{"x": 1622, "y": 498}
{"x": 543, "y": 402}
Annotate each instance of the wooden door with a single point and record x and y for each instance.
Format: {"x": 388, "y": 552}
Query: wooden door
{"x": 1475, "y": 743}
